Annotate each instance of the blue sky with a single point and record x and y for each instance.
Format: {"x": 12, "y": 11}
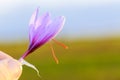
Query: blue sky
{"x": 84, "y": 18}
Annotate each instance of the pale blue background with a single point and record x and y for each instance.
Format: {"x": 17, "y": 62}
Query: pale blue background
{"x": 84, "y": 18}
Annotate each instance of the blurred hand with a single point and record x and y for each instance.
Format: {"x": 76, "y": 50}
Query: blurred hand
{"x": 10, "y": 68}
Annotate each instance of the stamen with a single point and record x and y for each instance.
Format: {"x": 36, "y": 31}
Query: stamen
{"x": 61, "y": 44}
{"x": 53, "y": 54}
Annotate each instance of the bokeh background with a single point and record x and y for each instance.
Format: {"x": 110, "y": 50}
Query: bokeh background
{"x": 92, "y": 32}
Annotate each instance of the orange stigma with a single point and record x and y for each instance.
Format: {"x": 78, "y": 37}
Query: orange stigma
{"x": 53, "y": 54}
{"x": 61, "y": 44}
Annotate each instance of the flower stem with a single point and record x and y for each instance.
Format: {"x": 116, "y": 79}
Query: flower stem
{"x": 24, "y": 55}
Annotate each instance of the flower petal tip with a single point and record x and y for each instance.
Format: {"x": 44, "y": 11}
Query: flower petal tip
{"x": 34, "y": 17}
{"x": 63, "y": 18}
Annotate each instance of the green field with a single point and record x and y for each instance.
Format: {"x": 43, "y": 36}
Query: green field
{"x": 84, "y": 60}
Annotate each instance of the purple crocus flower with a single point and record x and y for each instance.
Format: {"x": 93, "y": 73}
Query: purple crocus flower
{"x": 43, "y": 29}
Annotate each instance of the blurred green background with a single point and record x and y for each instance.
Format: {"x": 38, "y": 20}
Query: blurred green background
{"x": 97, "y": 59}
